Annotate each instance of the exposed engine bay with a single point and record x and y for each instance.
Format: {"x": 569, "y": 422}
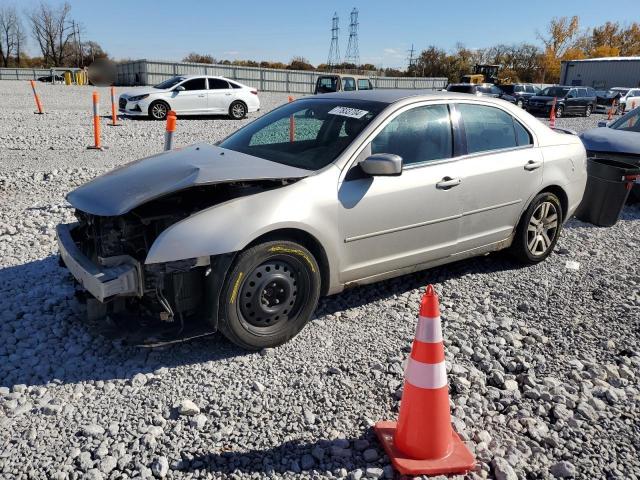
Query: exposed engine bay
{"x": 170, "y": 293}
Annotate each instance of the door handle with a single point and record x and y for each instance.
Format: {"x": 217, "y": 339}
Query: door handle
{"x": 447, "y": 182}
{"x": 227, "y": 94}
{"x": 200, "y": 96}
{"x": 532, "y": 165}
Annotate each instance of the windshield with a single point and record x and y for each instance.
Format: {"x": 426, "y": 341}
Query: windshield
{"x": 629, "y": 122}
{"x": 307, "y": 134}
{"x": 172, "y": 82}
{"x": 554, "y": 92}
{"x": 460, "y": 88}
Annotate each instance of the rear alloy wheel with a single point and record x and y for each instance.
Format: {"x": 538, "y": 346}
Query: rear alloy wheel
{"x": 269, "y": 295}
{"x": 559, "y": 111}
{"x": 588, "y": 110}
{"x": 237, "y": 110}
{"x": 158, "y": 110}
{"x": 539, "y": 229}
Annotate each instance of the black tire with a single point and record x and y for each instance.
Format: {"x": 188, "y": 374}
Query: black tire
{"x": 238, "y": 110}
{"x": 559, "y": 111}
{"x": 524, "y": 238}
{"x": 269, "y": 295}
{"x": 520, "y": 103}
{"x": 587, "y": 111}
{"x": 620, "y": 110}
{"x": 159, "y": 110}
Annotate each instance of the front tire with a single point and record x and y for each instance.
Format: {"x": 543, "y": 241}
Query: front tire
{"x": 270, "y": 294}
{"x": 559, "y": 111}
{"x": 538, "y": 230}
{"x": 520, "y": 103}
{"x": 588, "y": 110}
{"x": 237, "y": 110}
{"x": 159, "y": 110}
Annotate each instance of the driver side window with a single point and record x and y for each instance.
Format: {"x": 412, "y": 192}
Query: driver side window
{"x": 417, "y": 135}
{"x": 195, "y": 84}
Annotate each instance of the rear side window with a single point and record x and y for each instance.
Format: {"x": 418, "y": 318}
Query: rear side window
{"x": 195, "y": 84}
{"x": 363, "y": 84}
{"x": 530, "y": 89}
{"x": 582, "y": 92}
{"x": 417, "y": 135}
{"x": 348, "y": 84}
{"x": 489, "y": 128}
{"x": 233, "y": 85}
{"x": 518, "y": 88}
{"x": 218, "y": 84}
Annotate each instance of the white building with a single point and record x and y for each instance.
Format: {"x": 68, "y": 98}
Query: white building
{"x": 601, "y": 73}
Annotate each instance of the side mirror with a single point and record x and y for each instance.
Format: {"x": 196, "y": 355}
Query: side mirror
{"x": 179, "y": 88}
{"x": 603, "y": 123}
{"x": 382, "y": 164}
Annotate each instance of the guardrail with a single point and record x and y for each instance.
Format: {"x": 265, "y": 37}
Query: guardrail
{"x": 148, "y": 72}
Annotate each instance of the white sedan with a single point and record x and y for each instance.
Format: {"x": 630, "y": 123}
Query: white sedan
{"x": 191, "y": 95}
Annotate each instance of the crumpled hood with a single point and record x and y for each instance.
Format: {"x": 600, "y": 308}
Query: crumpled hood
{"x": 125, "y": 188}
{"x": 604, "y": 139}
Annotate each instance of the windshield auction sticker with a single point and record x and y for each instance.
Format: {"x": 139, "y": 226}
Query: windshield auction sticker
{"x": 348, "y": 112}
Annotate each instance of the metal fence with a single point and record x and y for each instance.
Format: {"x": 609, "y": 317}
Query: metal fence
{"x": 146, "y": 72}
{"x": 32, "y": 73}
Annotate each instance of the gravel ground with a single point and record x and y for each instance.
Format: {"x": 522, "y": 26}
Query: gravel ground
{"x": 543, "y": 361}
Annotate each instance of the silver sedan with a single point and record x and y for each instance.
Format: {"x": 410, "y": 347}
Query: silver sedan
{"x": 320, "y": 194}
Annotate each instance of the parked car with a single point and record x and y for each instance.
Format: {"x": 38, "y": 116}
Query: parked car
{"x": 481, "y": 90}
{"x": 337, "y": 82}
{"x": 191, "y": 95}
{"x": 606, "y": 99}
{"x": 51, "y": 79}
{"x": 629, "y": 98}
{"x": 247, "y": 234}
{"x": 569, "y": 101}
{"x": 522, "y": 92}
{"x": 617, "y": 140}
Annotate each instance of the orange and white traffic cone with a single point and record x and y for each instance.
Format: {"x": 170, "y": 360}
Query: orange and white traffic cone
{"x": 552, "y": 114}
{"x": 292, "y": 125}
{"x": 423, "y": 442}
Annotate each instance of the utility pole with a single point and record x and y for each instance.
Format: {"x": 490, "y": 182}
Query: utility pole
{"x": 334, "y": 49}
{"x": 353, "y": 52}
{"x": 412, "y": 61}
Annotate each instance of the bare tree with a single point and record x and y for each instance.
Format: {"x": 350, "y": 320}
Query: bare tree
{"x": 53, "y": 31}
{"x": 8, "y": 25}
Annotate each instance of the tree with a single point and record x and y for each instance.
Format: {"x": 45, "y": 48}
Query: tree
{"x": 53, "y": 31}
{"x": 561, "y": 34}
{"x": 8, "y": 33}
{"x": 300, "y": 63}
{"x": 194, "y": 57}
{"x": 630, "y": 40}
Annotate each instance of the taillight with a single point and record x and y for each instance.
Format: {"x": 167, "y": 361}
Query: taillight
{"x": 255, "y": 92}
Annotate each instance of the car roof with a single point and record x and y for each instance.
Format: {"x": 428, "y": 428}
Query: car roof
{"x": 390, "y": 96}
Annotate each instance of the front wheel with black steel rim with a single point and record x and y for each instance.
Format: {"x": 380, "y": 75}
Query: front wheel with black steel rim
{"x": 270, "y": 294}
{"x": 237, "y": 110}
{"x": 588, "y": 110}
{"x": 539, "y": 229}
{"x": 158, "y": 110}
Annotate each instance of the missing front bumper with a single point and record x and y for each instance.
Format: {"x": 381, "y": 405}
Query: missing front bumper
{"x": 116, "y": 276}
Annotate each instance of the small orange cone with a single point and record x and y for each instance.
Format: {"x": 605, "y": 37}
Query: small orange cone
{"x": 423, "y": 442}
{"x": 552, "y": 114}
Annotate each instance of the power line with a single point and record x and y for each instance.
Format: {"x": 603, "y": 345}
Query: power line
{"x": 353, "y": 52}
{"x": 334, "y": 49}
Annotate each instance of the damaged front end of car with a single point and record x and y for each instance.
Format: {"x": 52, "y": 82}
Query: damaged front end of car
{"x": 107, "y": 249}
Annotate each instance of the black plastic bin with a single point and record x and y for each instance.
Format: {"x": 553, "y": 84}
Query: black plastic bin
{"x": 608, "y": 185}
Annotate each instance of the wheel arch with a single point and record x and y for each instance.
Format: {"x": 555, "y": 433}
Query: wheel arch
{"x": 559, "y": 192}
{"x": 308, "y": 241}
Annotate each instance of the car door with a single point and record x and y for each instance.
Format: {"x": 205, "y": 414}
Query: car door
{"x": 191, "y": 100}
{"x": 571, "y": 101}
{"x": 390, "y": 223}
{"x": 220, "y": 95}
{"x": 500, "y": 173}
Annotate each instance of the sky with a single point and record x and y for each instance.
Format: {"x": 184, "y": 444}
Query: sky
{"x": 278, "y": 30}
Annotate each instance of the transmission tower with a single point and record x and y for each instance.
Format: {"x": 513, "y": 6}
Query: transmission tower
{"x": 412, "y": 60}
{"x": 353, "y": 53}
{"x": 334, "y": 49}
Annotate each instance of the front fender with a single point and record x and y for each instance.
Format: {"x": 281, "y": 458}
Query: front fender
{"x": 229, "y": 227}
